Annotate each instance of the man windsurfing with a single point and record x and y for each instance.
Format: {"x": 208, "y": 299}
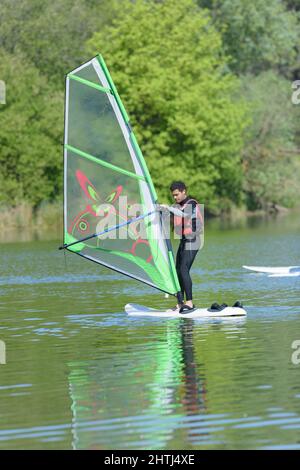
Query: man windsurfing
{"x": 187, "y": 221}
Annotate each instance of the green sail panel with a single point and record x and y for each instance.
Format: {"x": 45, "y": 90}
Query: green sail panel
{"x": 107, "y": 184}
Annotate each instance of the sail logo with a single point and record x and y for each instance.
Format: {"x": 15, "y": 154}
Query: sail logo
{"x": 296, "y": 353}
{"x": 296, "y": 94}
{"x": 2, "y": 352}
{"x": 2, "y": 92}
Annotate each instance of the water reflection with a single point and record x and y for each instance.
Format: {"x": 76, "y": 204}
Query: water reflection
{"x": 153, "y": 398}
{"x": 148, "y": 383}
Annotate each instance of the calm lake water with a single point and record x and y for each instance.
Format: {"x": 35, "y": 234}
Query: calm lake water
{"x": 80, "y": 374}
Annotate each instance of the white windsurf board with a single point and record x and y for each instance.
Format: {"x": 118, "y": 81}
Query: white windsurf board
{"x": 275, "y": 271}
{"x": 142, "y": 311}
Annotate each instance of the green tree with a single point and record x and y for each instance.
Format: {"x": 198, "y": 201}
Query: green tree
{"x": 31, "y": 124}
{"x": 52, "y": 34}
{"x": 257, "y": 35}
{"x": 167, "y": 62}
{"x": 293, "y": 4}
{"x": 271, "y": 158}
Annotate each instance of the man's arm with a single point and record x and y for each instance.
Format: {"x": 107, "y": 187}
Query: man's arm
{"x": 172, "y": 210}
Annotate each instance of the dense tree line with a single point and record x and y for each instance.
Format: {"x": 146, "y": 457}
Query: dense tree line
{"x": 207, "y": 85}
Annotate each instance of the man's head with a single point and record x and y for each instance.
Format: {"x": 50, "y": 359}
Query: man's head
{"x": 178, "y": 189}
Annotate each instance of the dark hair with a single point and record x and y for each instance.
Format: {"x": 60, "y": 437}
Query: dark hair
{"x": 178, "y": 185}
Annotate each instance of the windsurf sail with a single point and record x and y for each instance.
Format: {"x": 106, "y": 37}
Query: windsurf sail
{"x": 110, "y": 214}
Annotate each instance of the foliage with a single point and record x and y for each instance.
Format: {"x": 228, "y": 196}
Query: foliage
{"x": 178, "y": 68}
{"x": 31, "y": 126}
{"x": 271, "y": 158}
{"x": 258, "y": 35}
{"x": 169, "y": 68}
{"x": 53, "y": 34}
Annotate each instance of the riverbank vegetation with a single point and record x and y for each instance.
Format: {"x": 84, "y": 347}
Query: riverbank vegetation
{"x": 207, "y": 85}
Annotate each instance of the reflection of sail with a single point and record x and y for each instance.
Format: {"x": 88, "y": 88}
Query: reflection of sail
{"x": 114, "y": 410}
{"x": 137, "y": 400}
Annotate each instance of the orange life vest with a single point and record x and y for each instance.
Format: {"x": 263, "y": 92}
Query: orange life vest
{"x": 184, "y": 225}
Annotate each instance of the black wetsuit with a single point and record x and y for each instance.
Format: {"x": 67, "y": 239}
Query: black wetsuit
{"x": 188, "y": 247}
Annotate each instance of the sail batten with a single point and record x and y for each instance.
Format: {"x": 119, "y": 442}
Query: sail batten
{"x": 99, "y": 161}
{"x": 91, "y": 84}
{"x": 108, "y": 187}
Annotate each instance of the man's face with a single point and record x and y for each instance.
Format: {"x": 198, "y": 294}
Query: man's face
{"x": 178, "y": 195}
